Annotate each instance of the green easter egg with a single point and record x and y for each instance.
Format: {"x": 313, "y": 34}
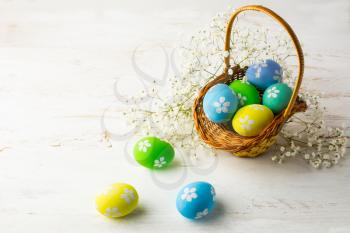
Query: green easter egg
{"x": 153, "y": 152}
{"x": 246, "y": 92}
{"x": 276, "y": 97}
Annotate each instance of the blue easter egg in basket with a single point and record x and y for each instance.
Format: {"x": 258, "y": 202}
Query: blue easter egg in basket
{"x": 264, "y": 74}
{"x": 220, "y": 103}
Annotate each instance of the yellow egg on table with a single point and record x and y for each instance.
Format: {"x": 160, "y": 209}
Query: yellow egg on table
{"x": 252, "y": 119}
{"x": 117, "y": 200}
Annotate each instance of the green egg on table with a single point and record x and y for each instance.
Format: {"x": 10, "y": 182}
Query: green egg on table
{"x": 276, "y": 97}
{"x": 246, "y": 92}
{"x": 152, "y": 152}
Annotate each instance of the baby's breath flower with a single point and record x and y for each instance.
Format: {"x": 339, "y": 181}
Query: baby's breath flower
{"x": 323, "y": 145}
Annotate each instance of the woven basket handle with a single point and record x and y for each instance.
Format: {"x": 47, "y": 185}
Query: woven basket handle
{"x": 292, "y": 35}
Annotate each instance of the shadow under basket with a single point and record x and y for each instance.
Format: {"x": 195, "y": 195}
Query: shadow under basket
{"x": 222, "y": 136}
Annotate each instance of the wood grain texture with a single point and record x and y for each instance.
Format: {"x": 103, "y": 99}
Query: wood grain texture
{"x": 59, "y": 61}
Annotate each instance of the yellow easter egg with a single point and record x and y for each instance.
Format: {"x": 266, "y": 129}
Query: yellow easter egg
{"x": 117, "y": 200}
{"x": 252, "y": 119}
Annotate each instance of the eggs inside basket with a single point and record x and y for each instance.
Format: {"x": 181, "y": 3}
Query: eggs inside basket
{"x": 240, "y": 103}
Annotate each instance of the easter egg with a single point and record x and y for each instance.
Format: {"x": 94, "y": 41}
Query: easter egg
{"x": 153, "y": 152}
{"x": 264, "y": 74}
{"x": 220, "y": 103}
{"x": 276, "y": 97}
{"x": 252, "y": 119}
{"x": 246, "y": 92}
{"x": 196, "y": 200}
{"x": 117, "y": 200}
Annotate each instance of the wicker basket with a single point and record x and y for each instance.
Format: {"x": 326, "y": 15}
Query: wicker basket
{"x": 221, "y": 136}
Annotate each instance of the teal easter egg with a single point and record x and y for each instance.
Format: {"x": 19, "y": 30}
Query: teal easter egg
{"x": 152, "y": 152}
{"x": 264, "y": 74}
{"x": 246, "y": 92}
{"x": 276, "y": 97}
{"x": 196, "y": 200}
{"x": 220, "y": 103}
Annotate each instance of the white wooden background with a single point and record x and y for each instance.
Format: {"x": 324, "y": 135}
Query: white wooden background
{"x": 58, "y": 63}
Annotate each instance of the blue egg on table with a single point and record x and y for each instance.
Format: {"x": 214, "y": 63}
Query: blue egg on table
{"x": 196, "y": 200}
{"x": 220, "y": 103}
{"x": 277, "y": 96}
{"x": 264, "y": 74}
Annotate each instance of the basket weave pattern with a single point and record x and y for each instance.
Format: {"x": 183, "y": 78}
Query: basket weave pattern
{"x": 222, "y": 136}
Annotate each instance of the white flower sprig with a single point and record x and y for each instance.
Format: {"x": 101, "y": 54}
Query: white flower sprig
{"x": 306, "y": 136}
{"x": 168, "y": 114}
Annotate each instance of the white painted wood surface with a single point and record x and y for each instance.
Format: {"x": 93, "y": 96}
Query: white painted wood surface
{"x": 59, "y": 61}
